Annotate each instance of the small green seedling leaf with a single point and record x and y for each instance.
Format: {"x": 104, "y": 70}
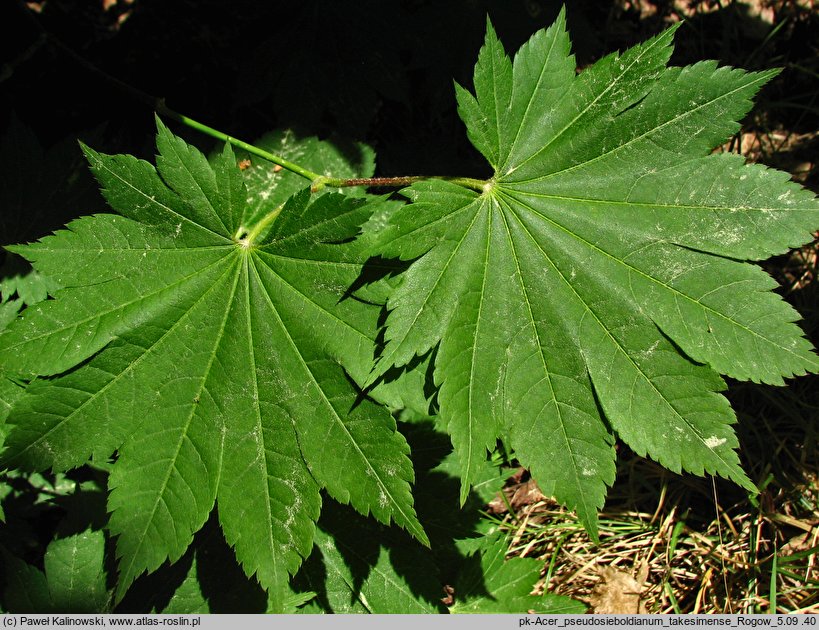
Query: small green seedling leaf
{"x": 494, "y": 585}
{"x": 74, "y": 580}
{"x": 74, "y": 567}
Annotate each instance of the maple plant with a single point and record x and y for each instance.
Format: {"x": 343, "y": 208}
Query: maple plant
{"x": 230, "y": 352}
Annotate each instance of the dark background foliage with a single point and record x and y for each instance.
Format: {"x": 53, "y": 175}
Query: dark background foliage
{"x": 374, "y": 70}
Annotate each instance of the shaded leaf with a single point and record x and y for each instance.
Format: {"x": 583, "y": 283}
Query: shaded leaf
{"x": 361, "y": 568}
{"x": 73, "y": 581}
{"x": 40, "y": 187}
{"x": 26, "y": 587}
{"x": 214, "y": 581}
{"x": 496, "y": 585}
{"x": 74, "y": 567}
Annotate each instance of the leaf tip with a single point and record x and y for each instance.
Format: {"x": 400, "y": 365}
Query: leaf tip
{"x": 466, "y": 487}
{"x": 560, "y": 20}
{"x": 421, "y": 537}
{"x": 491, "y": 38}
{"x": 93, "y": 157}
{"x": 163, "y": 134}
{"x": 744, "y": 482}
{"x": 228, "y": 154}
{"x": 160, "y": 126}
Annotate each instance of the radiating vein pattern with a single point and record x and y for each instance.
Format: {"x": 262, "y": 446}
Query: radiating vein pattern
{"x": 216, "y": 368}
{"x": 599, "y": 285}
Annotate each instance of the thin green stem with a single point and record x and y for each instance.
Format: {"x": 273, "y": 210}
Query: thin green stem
{"x": 215, "y": 133}
{"x": 318, "y": 181}
{"x": 158, "y": 104}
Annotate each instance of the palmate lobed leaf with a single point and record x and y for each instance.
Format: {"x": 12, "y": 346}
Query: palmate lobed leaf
{"x": 212, "y": 363}
{"x": 596, "y": 285}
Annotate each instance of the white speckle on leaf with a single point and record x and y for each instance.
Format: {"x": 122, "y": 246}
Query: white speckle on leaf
{"x": 649, "y": 352}
{"x": 729, "y": 237}
{"x": 714, "y": 441}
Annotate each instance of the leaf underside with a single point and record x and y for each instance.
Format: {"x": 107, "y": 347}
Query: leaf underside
{"x": 597, "y": 286}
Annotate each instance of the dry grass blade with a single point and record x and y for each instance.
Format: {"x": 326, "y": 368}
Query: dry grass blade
{"x": 684, "y": 555}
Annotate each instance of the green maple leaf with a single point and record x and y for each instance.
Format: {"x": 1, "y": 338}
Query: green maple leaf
{"x": 596, "y": 285}
{"x": 207, "y": 349}
{"x": 491, "y": 584}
